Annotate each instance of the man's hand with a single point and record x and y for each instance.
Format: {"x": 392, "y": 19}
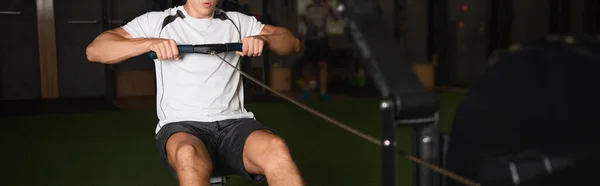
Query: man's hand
{"x": 252, "y": 46}
{"x": 166, "y": 49}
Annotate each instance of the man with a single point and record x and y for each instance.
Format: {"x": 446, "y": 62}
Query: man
{"x": 203, "y": 128}
{"x": 314, "y": 30}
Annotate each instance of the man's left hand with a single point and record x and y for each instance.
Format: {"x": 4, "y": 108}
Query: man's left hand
{"x": 252, "y": 46}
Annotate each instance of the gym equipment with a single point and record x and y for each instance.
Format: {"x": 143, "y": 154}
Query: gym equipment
{"x": 530, "y": 119}
{"x": 218, "y": 180}
{"x": 405, "y": 102}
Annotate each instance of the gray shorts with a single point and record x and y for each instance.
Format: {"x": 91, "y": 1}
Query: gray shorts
{"x": 224, "y": 141}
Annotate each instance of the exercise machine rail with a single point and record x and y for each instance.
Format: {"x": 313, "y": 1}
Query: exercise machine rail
{"x": 405, "y": 102}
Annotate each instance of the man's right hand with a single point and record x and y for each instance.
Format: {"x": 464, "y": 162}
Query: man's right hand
{"x": 165, "y": 49}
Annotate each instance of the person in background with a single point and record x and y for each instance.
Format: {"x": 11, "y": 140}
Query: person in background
{"x": 313, "y": 31}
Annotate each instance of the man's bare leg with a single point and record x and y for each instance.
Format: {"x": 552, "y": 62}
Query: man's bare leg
{"x": 323, "y": 80}
{"x": 266, "y": 153}
{"x": 323, "y": 76}
{"x": 309, "y": 81}
{"x": 309, "y": 77}
{"x": 188, "y": 156}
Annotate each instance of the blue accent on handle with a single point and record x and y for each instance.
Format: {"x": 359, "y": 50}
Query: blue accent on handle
{"x": 152, "y": 55}
{"x": 234, "y": 46}
{"x": 186, "y": 48}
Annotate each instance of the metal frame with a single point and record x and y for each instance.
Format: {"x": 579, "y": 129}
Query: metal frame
{"x": 427, "y": 145}
{"x": 218, "y": 180}
{"x": 405, "y": 101}
{"x": 266, "y": 19}
{"x": 389, "y": 160}
{"x": 109, "y": 70}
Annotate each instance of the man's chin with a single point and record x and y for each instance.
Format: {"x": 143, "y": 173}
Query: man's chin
{"x": 207, "y": 11}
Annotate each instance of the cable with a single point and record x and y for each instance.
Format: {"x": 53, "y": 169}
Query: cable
{"x": 162, "y": 82}
{"x": 367, "y": 137}
{"x": 333, "y": 121}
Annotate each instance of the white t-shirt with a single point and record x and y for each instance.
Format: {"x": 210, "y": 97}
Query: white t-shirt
{"x": 315, "y": 21}
{"x": 198, "y": 87}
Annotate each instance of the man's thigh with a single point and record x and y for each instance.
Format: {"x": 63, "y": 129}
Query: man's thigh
{"x": 235, "y": 135}
{"x": 258, "y": 145}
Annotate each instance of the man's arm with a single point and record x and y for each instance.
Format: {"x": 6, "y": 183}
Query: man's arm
{"x": 114, "y": 46}
{"x": 280, "y": 40}
{"x": 117, "y": 45}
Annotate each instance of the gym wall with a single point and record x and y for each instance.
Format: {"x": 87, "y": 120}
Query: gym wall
{"x": 42, "y": 55}
{"x": 532, "y": 20}
{"x": 19, "y": 54}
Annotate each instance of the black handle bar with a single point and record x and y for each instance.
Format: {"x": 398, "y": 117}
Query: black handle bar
{"x": 205, "y": 49}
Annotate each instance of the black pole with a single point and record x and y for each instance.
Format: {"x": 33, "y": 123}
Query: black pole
{"x": 266, "y": 19}
{"x": 397, "y": 20}
{"x": 426, "y": 146}
{"x": 502, "y": 17}
{"x": 109, "y": 70}
{"x": 439, "y": 32}
{"x": 389, "y": 160}
{"x": 500, "y": 24}
{"x": 560, "y": 11}
{"x": 597, "y": 12}
{"x": 431, "y": 25}
{"x": 2, "y": 80}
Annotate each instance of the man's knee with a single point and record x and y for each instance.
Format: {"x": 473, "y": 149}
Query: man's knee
{"x": 264, "y": 144}
{"x": 277, "y": 154}
{"x": 188, "y": 154}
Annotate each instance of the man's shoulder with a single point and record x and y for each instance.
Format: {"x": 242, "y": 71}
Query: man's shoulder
{"x": 240, "y": 17}
{"x": 236, "y": 14}
{"x": 153, "y": 16}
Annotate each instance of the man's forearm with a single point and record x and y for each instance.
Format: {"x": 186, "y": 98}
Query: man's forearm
{"x": 282, "y": 42}
{"x": 111, "y": 48}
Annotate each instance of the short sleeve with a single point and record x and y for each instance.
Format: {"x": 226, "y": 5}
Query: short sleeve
{"x": 146, "y": 25}
{"x": 250, "y": 25}
{"x": 302, "y": 28}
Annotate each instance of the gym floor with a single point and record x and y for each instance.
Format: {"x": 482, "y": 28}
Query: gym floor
{"x": 117, "y": 147}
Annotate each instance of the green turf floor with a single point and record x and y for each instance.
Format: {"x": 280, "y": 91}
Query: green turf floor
{"x": 117, "y": 147}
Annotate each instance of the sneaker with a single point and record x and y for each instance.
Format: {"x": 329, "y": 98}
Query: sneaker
{"x": 325, "y": 97}
{"x": 306, "y": 94}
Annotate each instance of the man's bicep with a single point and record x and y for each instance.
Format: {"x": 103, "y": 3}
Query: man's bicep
{"x": 122, "y": 32}
{"x": 268, "y": 30}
